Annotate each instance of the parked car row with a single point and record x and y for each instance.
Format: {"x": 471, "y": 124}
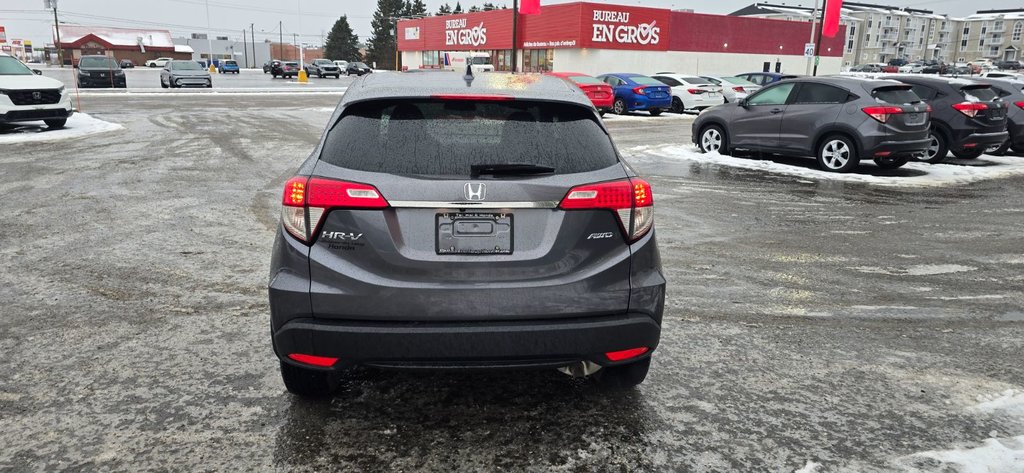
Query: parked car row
{"x": 842, "y": 120}
{"x": 319, "y": 67}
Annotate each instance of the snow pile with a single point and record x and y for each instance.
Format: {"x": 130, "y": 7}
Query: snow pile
{"x": 810, "y": 467}
{"x": 993, "y": 456}
{"x": 912, "y": 175}
{"x": 1010, "y": 402}
{"x": 78, "y": 125}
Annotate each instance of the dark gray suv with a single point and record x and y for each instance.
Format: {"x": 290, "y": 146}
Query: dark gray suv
{"x": 839, "y": 120}
{"x": 448, "y": 222}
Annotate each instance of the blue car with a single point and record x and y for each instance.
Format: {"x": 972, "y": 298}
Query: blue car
{"x": 227, "y": 66}
{"x": 765, "y": 78}
{"x": 638, "y": 92}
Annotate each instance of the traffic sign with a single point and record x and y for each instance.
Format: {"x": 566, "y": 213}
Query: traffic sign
{"x": 809, "y": 50}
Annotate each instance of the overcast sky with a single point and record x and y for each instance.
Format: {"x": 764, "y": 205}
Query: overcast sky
{"x": 26, "y": 19}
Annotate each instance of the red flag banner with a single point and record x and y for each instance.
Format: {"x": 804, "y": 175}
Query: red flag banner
{"x": 529, "y": 7}
{"x": 833, "y": 9}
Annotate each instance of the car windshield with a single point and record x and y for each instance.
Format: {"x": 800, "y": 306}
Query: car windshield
{"x": 186, "y": 66}
{"x": 644, "y": 80}
{"x": 358, "y": 64}
{"x": 696, "y": 80}
{"x": 585, "y": 80}
{"x": 447, "y": 138}
{"x": 482, "y": 60}
{"x": 97, "y": 63}
{"x": 231, "y": 63}
{"x": 13, "y": 67}
{"x": 895, "y": 95}
{"x": 979, "y": 93}
{"x": 737, "y": 81}
{"x": 293, "y": 64}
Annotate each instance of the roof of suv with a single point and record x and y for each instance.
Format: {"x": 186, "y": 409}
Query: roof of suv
{"x": 933, "y": 81}
{"x": 518, "y": 86}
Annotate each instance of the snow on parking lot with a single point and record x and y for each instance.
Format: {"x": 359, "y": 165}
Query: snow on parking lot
{"x": 953, "y": 172}
{"x": 994, "y": 455}
{"x": 79, "y": 125}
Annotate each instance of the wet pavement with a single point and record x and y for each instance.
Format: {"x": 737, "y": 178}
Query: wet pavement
{"x": 808, "y": 320}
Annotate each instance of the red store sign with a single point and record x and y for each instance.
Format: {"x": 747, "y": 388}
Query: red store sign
{"x": 617, "y": 27}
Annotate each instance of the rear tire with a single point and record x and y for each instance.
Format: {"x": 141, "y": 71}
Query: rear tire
{"x": 305, "y": 382}
{"x": 891, "y": 163}
{"x": 678, "y": 106}
{"x": 968, "y": 153}
{"x": 837, "y": 153}
{"x": 937, "y": 150}
{"x": 619, "y": 107}
{"x": 713, "y": 140}
{"x": 56, "y": 124}
{"x": 162, "y": 84}
{"x": 655, "y": 111}
{"x": 625, "y": 376}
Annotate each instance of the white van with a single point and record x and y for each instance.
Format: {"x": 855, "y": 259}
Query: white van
{"x": 457, "y": 60}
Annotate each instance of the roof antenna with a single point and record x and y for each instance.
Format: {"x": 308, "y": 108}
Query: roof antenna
{"x": 469, "y": 74}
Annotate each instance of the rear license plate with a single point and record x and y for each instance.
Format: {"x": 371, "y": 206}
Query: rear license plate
{"x": 915, "y": 119}
{"x": 712, "y": 95}
{"x": 474, "y": 234}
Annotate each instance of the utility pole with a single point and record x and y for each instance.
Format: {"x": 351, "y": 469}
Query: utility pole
{"x": 817, "y": 45}
{"x": 56, "y": 29}
{"x": 280, "y": 44}
{"x": 515, "y": 35}
{"x": 252, "y": 34}
{"x": 245, "y": 48}
{"x": 209, "y": 34}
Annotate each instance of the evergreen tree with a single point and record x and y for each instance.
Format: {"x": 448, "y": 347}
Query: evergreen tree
{"x": 474, "y": 9}
{"x": 488, "y": 6}
{"x": 458, "y": 9}
{"x": 381, "y": 47}
{"x": 419, "y": 8}
{"x": 445, "y": 9}
{"x": 342, "y": 43}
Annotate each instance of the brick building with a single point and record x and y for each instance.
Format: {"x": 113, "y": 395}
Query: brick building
{"x": 137, "y": 45}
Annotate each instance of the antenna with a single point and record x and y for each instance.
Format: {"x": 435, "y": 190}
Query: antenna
{"x": 469, "y": 73}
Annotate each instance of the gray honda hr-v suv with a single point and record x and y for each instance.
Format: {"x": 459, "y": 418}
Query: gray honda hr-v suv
{"x": 445, "y": 221}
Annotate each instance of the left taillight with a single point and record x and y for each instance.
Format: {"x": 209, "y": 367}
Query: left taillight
{"x": 307, "y": 199}
{"x": 882, "y": 113}
{"x": 631, "y": 199}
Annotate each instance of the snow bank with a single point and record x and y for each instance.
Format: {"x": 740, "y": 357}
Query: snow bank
{"x": 79, "y": 125}
{"x": 1009, "y": 402}
{"x": 810, "y": 467}
{"x": 912, "y": 175}
{"x": 1004, "y": 455}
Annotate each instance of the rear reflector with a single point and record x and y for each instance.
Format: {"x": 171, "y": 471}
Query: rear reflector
{"x": 474, "y": 97}
{"x": 882, "y": 154}
{"x": 970, "y": 109}
{"x": 626, "y": 354}
{"x": 881, "y": 113}
{"x": 307, "y": 199}
{"x": 321, "y": 361}
{"x": 631, "y": 199}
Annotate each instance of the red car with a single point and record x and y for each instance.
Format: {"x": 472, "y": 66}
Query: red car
{"x": 600, "y": 94}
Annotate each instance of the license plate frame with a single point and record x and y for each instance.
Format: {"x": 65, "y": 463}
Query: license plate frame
{"x": 474, "y": 234}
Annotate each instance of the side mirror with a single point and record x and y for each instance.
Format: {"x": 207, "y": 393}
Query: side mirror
{"x": 742, "y": 102}
{"x": 37, "y": 72}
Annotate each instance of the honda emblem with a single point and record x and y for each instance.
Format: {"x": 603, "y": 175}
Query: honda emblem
{"x": 475, "y": 192}
{"x": 37, "y": 95}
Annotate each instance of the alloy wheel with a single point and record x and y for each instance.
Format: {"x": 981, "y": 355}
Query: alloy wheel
{"x": 711, "y": 140}
{"x": 836, "y": 154}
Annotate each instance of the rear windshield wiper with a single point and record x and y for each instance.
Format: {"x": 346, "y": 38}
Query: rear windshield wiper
{"x": 510, "y": 170}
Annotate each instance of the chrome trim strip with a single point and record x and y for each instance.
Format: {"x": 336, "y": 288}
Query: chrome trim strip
{"x": 418, "y": 204}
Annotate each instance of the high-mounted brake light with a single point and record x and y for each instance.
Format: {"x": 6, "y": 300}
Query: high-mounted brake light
{"x": 321, "y": 361}
{"x": 970, "y": 109}
{"x": 882, "y": 113}
{"x": 630, "y": 199}
{"x": 308, "y": 199}
{"x": 639, "y": 90}
{"x": 626, "y": 354}
{"x": 474, "y": 97}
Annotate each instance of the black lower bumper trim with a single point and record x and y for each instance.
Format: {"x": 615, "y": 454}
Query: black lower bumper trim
{"x": 468, "y": 345}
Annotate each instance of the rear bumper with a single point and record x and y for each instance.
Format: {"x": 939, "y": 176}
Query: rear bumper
{"x": 642, "y": 102}
{"x": 896, "y": 148}
{"x": 538, "y": 343}
{"x": 981, "y": 140}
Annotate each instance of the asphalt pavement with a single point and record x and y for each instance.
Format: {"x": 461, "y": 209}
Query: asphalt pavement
{"x": 808, "y": 322}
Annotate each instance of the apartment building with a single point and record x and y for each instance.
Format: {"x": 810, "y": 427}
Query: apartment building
{"x": 879, "y": 33}
{"x": 996, "y": 35}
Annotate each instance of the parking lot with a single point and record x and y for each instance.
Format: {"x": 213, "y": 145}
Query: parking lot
{"x": 813, "y": 320}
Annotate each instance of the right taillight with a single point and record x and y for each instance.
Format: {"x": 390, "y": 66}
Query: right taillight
{"x": 882, "y": 113}
{"x": 970, "y": 109}
{"x": 738, "y": 89}
{"x": 1019, "y": 104}
{"x": 631, "y": 199}
{"x": 307, "y": 199}
{"x": 639, "y": 90}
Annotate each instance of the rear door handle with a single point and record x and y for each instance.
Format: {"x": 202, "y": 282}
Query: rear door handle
{"x": 776, "y": 111}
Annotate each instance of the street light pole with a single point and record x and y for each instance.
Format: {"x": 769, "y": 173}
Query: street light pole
{"x": 515, "y": 35}
{"x": 56, "y": 29}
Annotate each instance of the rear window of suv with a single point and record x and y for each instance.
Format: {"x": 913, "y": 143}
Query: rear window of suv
{"x": 979, "y": 93}
{"x": 446, "y": 138}
{"x": 896, "y": 95}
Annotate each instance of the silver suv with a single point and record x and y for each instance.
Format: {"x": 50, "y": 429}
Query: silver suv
{"x": 450, "y": 222}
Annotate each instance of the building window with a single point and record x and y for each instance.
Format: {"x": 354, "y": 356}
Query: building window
{"x": 869, "y": 24}
{"x": 1017, "y": 28}
{"x": 502, "y": 59}
{"x": 967, "y": 30}
{"x": 431, "y": 60}
{"x": 963, "y": 45}
{"x": 538, "y": 60}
